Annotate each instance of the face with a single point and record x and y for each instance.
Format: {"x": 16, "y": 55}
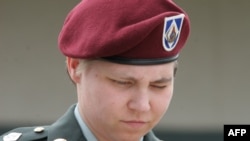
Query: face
{"x": 122, "y": 102}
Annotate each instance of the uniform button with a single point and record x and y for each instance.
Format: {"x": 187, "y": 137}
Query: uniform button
{"x": 39, "y": 129}
{"x": 60, "y": 139}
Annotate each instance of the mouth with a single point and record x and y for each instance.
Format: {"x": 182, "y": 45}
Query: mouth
{"x": 134, "y": 123}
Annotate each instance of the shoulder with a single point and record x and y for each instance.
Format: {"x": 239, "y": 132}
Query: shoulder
{"x": 26, "y": 134}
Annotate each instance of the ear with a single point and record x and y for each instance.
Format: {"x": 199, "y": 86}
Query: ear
{"x": 72, "y": 65}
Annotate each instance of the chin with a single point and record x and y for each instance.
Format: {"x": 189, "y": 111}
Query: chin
{"x": 130, "y": 136}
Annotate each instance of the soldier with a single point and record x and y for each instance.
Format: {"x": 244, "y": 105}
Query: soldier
{"x": 122, "y": 57}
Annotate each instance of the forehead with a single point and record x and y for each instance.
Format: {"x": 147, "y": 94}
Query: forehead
{"x": 136, "y": 71}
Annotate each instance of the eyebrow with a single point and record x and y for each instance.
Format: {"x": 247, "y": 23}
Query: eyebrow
{"x": 163, "y": 80}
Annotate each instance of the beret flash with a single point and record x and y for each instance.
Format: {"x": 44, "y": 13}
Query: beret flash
{"x": 140, "y": 32}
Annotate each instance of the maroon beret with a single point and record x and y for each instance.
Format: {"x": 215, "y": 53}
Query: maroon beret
{"x": 125, "y": 31}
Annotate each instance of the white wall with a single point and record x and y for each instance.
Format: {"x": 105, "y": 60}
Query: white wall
{"x": 211, "y": 86}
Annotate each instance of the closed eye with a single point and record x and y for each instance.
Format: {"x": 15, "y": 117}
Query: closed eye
{"x": 162, "y": 83}
{"x": 159, "y": 86}
{"x": 121, "y": 82}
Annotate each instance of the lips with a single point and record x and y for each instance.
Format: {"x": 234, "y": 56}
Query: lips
{"x": 135, "y": 123}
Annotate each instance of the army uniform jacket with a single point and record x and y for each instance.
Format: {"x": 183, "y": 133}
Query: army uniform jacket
{"x": 64, "y": 129}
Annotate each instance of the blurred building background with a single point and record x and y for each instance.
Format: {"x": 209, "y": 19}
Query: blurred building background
{"x": 211, "y": 88}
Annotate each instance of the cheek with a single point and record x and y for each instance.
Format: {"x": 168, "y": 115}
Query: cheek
{"x": 161, "y": 103}
{"x": 89, "y": 93}
{"x": 100, "y": 95}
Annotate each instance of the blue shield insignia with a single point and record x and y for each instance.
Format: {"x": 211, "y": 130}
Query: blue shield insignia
{"x": 171, "y": 31}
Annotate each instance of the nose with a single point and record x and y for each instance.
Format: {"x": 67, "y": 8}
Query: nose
{"x": 140, "y": 102}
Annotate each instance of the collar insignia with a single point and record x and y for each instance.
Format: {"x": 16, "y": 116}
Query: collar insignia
{"x": 14, "y": 136}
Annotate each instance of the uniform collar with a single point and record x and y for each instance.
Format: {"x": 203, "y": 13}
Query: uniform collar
{"x": 85, "y": 130}
{"x": 66, "y": 127}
